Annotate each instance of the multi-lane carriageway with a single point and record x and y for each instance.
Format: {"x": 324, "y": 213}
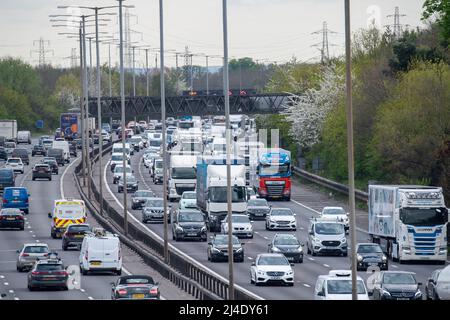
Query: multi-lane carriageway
{"x": 37, "y": 229}
{"x": 305, "y": 203}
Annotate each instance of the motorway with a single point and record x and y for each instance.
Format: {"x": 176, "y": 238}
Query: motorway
{"x": 304, "y": 203}
{"x": 37, "y": 229}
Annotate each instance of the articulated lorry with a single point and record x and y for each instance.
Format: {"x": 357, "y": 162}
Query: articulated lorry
{"x": 8, "y": 129}
{"x": 409, "y": 222}
{"x": 70, "y": 125}
{"x": 274, "y": 174}
{"x": 182, "y": 173}
{"x": 212, "y": 188}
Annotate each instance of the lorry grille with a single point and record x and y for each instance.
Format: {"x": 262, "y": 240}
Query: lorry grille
{"x": 275, "y": 190}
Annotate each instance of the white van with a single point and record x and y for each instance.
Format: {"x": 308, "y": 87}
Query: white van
{"x": 100, "y": 251}
{"x": 64, "y": 146}
{"x": 24, "y": 137}
{"x": 117, "y": 148}
{"x": 337, "y": 285}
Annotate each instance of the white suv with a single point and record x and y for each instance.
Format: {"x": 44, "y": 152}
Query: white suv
{"x": 326, "y": 237}
{"x": 271, "y": 268}
{"x": 337, "y": 285}
{"x": 16, "y": 164}
{"x": 335, "y": 214}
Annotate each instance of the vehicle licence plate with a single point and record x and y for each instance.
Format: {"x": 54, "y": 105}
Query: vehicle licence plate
{"x": 96, "y": 263}
{"x": 192, "y": 234}
{"x": 11, "y": 219}
{"x": 79, "y": 236}
{"x": 138, "y": 296}
{"x": 402, "y": 299}
{"x": 275, "y": 278}
{"x": 290, "y": 258}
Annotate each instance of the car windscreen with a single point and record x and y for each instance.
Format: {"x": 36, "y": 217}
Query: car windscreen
{"x": 36, "y": 249}
{"x": 329, "y": 228}
{"x": 143, "y": 194}
{"x": 14, "y": 161}
{"x": 368, "y": 248}
{"x": 334, "y": 211}
{"x": 125, "y": 281}
{"x": 343, "y": 286}
{"x": 257, "y": 202}
{"x": 281, "y": 213}
{"x": 239, "y": 219}
{"x": 119, "y": 169}
{"x": 219, "y": 194}
{"x": 116, "y": 158}
{"x": 190, "y": 217}
{"x": 222, "y": 240}
{"x": 77, "y": 228}
{"x": 49, "y": 267}
{"x": 189, "y": 195}
{"x": 286, "y": 241}
{"x": 159, "y": 203}
{"x": 155, "y": 143}
{"x": 159, "y": 164}
{"x": 399, "y": 278}
{"x": 273, "y": 261}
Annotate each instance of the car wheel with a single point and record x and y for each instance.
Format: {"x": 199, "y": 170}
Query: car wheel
{"x": 345, "y": 254}
{"x": 313, "y": 253}
{"x": 267, "y": 227}
{"x": 19, "y": 269}
{"x": 307, "y": 250}
{"x": 65, "y": 288}
{"x": 119, "y": 272}
{"x": 53, "y": 235}
{"x": 30, "y": 288}
{"x": 290, "y": 284}
{"x": 84, "y": 272}
{"x": 50, "y": 179}
{"x": 33, "y": 178}
{"x": 64, "y": 248}
{"x": 22, "y": 228}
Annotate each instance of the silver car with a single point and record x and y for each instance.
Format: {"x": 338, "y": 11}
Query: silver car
{"x": 29, "y": 253}
{"x": 153, "y": 211}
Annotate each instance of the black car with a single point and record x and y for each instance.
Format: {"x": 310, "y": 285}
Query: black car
{"x": 52, "y": 163}
{"x": 22, "y": 154}
{"x": 140, "y": 197}
{"x": 7, "y": 178}
{"x": 74, "y": 235}
{"x": 42, "y": 171}
{"x": 438, "y": 285}
{"x": 48, "y": 273}
{"x": 218, "y": 249}
{"x": 370, "y": 254}
{"x": 258, "y": 209}
{"x": 188, "y": 224}
{"x": 73, "y": 148}
{"x": 288, "y": 245}
{"x": 38, "y": 149}
{"x": 3, "y": 154}
{"x": 132, "y": 184}
{"x": 12, "y": 218}
{"x": 135, "y": 287}
{"x": 396, "y": 285}
{"x": 96, "y": 138}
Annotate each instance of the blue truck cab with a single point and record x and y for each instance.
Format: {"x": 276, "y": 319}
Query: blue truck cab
{"x": 16, "y": 197}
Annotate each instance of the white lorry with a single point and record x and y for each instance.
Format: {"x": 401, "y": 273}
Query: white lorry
{"x": 409, "y": 222}
{"x": 8, "y": 129}
{"x": 182, "y": 174}
{"x": 212, "y": 188}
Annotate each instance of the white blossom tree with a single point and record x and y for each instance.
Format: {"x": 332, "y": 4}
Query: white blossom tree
{"x": 308, "y": 112}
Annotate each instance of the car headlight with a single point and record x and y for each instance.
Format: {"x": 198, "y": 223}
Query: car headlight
{"x": 344, "y": 240}
{"x": 239, "y": 250}
{"x": 299, "y": 249}
{"x": 135, "y": 200}
{"x": 384, "y": 258}
{"x": 418, "y": 293}
{"x": 261, "y": 272}
{"x": 359, "y": 257}
{"x": 178, "y": 228}
{"x": 272, "y": 221}
{"x": 385, "y": 293}
{"x": 290, "y": 273}
{"x": 215, "y": 250}
{"x": 293, "y": 221}
{"x": 275, "y": 249}
{"x": 213, "y": 218}
{"x": 203, "y": 229}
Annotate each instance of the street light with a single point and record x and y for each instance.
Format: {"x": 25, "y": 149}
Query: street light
{"x": 228, "y": 142}
{"x": 351, "y": 173}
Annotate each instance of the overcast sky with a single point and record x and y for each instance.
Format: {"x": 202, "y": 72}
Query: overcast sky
{"x": 274, "y": 30}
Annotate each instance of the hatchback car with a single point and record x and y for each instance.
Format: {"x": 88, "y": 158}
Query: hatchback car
{"x": 258, "y": 209}
{"x": 188, "y": 200}
{"x": 153, "y": 210}
{"x": 52, "y": 163}
{"x": 135, "y": 287}
{"x": 48, "y": 273}
{"x": 3, "y": 154}
{"x": 189, "y": 224}
{"x": 396, "y": 285}
{"x": 16, "y": 164}
{"x": 140, "y": 197}
{"x": 12, "y": 219}
{"x": 74, "y": 235}
{"x": 242, "y": 226}
{"x": 271, "y": 268}
{"x": 335, "y": 214}
{"x": 288, "y": 245}
{"x": 42, "y": 171}
{"x": 22, "y": 154}
{"x": 38, "y": 149}
{"x": 281, "y": 218}
{"x": 29, "y": 253}
{"x": 337, "y": 285}
{"x": 218, "y": 249}
{"x": 369, "y": 255}
{"x": 132, "y": 184}
{"x": 438, "y": 285}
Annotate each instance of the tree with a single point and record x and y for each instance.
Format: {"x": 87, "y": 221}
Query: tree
{"x": 440, "y": 9}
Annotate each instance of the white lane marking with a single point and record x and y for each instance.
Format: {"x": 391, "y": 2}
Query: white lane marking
{"x": 16, "y": 298}
{"x": 34, "y": 236}
{"x": 61, "y": 181}
{"x": 317, "y": 212}
{"x": 170, "y": 245}
{"x": 325, "y": 265}
{"x": 312, "y": 259}
{"x": 140, "y": 173}
{"x": 6, "y": 283}
{"x": 307, "y": 285}
{"x": 11, "y": 291}
{"x": 82, "y": 290}
{"x": 394, "y": 266}
{"x": 249, "y": 258}
{"x": 37, "y": 240}
{"x": 90, "y": 298}
{"x": 2, "y": 277}
{"x": 256, "y": 232}
{"x": 24, "y": 178}
{"x": 266, "y": 238}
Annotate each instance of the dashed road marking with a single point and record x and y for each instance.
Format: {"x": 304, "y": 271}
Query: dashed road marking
{"x": 11, "y": 291}
{"x": 307, "y": 285}
{"x": 312, "y": 259}
{"x": 256, "y": 232}
{"x": 249, "y": 258}
{"x": 2, "y": 277}
{"x": 37, "y": 240}
{"x": 90, "y": 298}
{"x": 6, "y": 283}
{"x": 325, "y": 265}
{"x": 31, "y": 231}
{"x": 394, "y": 266}
{"x": 16, "y": 298}
{"x": 82, "y": 290}
{"x": 266, "y": 238}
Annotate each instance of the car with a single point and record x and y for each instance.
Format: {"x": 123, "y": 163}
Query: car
{"x": 29, "y": 253}
{"x": 117, "y": 159}
{"x": 16, "y": 164}
{"x": 218, "y": 248}
{"x": 106, "y": 136}
{"x": 38, "y": 149}
{"x": 370, "y": 254}
{"x": 153, "y": 210}
{"x": 100, "y": 251}
{"x": 3, "y": 154}
{"x": 438, "y": 285}
{"x": 337, "y": 285}
{"x": 188, "y": 224}
{"x": 335, "y": 214}
{"x": 288, "y": 245}
{"x": 135, "y": 287}
{"x": 22, "y": 154}
{"x": 396, "y": 285}
{"x": 48, "y": 273}
{"x": 188, "y": 200}
{"x": 271, "y": 268}
{"x": 12, "y": 218}
{"x": 131, "y": 184}
{"x": 7, "y": 178}
{"x": 42, "y": 171}
{"x": 118, "y": 172}
{"x": 258, "y": 209}
{"x": 52, "y": 164}
{"x": 140, "y": 197}
{"x": 326, "y": 237}
{"x": 157, "y": 170}
{"x": 242, "y": 226}
{"x": 281, "y": 218}
{"x": 136, "y": 142}
{"x": 48, "y": 143}
{"x": 96, "y": 138}
{"x": 24, "y": 137}
{"x": 251, "y": 193}
{"x": 9, "y": 147}
{"x": 149, "y": 155}
{"x": 16, "y": 197}
{"x": 74, "y": 235}
{"x": 57, "y": 154}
